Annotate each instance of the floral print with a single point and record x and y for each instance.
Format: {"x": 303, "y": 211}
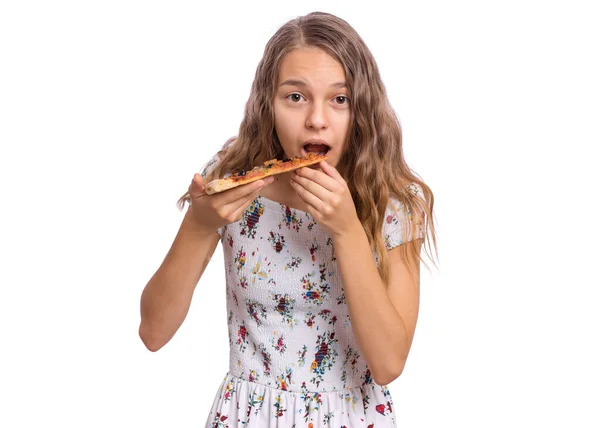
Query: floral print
{"x": 315, "y": 293}
{"x": 285, "y": 306}
{"x": 294, "y": 361}
{"x": 290, "y": 220}
{"x": 325, "y": 356}
{"x": 250, "y": 219}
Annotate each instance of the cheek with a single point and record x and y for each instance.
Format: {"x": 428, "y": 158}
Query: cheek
{"x": 285, "y": 116}
{"x": 344, "y": 117}
{"x": 278, "y": 114}
{"x": 342, "y": 123}
{"x": 286, "y": 122}
{"x": 282, "y": 127}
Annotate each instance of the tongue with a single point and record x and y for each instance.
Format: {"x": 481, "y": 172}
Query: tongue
{"x": 316, "y": 148}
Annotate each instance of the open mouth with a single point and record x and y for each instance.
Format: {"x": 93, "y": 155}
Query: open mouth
{"x": 318, "y": 148}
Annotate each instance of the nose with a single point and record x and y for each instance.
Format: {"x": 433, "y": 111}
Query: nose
{"x": 316, "y": 116}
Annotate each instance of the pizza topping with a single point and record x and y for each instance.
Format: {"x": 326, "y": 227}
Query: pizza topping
{"x": 268, "y": 165}
{"x": 246, "y": 175}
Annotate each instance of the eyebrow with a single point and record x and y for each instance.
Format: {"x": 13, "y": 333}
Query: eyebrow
{"x": 296, "y": 82}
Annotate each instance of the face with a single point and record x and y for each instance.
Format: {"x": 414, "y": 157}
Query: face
{"x": 312, "y": 104}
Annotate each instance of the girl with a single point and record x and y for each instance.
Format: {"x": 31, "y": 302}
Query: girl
{"x": 322, "y": 264}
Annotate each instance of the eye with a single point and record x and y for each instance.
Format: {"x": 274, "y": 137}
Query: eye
{"x": 341, "y": 100}
{"x": 294, "y": 97}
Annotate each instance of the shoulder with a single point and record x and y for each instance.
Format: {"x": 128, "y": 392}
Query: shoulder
{"x": 416, "y": 189}
{"x": 413, "y": 196}
{"x": 404, "y": 218}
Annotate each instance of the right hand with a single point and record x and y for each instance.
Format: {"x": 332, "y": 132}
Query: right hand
{"x": 211, "y": 212}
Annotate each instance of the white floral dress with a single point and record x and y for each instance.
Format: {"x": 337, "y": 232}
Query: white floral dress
{"x": 294, "y": 361}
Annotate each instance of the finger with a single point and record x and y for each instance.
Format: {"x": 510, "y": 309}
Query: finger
{"x": 319, "y": 177}
{"x": 241, "y": 192}
{"x": 238, "y": 211}
{"x": 332, "y": 171}
{"x": 310, "y": 208}
{"x": 197, "y": 179}
{"x": 307, "y": 196}
{"x": 196, "y": 187}
{"x": 311, "y": 187}
{"x": 246, "y": 199}
{"x": 243, "y": 203}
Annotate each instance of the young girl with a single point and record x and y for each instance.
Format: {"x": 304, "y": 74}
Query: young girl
{"x": 322, "y": 264}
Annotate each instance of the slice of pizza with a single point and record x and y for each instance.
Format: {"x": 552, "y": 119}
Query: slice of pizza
{"x": 270, "y": 167}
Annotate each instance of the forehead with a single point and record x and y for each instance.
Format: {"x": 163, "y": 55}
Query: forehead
{"x": 311, "y": 64}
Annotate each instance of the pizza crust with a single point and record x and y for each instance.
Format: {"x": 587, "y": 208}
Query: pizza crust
{"x": 270, "y": 167}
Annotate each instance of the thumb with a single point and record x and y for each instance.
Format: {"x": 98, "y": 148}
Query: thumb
{"x": 197, "y": 186}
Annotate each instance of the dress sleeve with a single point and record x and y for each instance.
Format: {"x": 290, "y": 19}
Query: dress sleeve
{"x": 209, "y": 166}
{"x": 400, "y": 227}
{"x": 214, "y": 161}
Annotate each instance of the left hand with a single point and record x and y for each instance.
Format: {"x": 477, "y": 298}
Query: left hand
{"x": 327, "y": 197}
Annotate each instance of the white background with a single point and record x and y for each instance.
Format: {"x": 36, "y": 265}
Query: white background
{"x": 108, "y": 108}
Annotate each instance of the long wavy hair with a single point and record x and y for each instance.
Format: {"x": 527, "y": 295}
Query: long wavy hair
{"x": 375, "y": 166}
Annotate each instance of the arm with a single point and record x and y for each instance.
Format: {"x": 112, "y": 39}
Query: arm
{"x": 166, "y": 298}
{"x": 383, "y": 321}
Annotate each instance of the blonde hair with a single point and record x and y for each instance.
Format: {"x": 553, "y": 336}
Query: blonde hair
{"x": 375, "y": 166}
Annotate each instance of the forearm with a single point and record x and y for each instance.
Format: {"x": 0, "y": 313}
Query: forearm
{"x": 380, "y": 331}
{"x": 166, "y": 298}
